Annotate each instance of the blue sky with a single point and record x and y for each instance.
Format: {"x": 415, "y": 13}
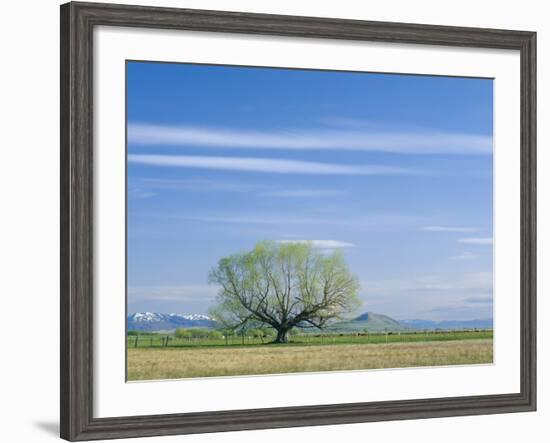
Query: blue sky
{"x": 394, "y": 170}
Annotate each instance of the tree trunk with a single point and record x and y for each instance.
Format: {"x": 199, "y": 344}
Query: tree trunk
{"x": 282, "y": 336}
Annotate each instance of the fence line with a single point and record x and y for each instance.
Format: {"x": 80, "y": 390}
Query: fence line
{"x": 166, "y": 340}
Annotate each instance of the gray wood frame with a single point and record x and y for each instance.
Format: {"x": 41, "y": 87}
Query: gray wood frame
{"x": 77, "y": 24}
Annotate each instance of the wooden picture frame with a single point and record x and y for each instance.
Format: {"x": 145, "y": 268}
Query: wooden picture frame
{"x": 77, "y": 23}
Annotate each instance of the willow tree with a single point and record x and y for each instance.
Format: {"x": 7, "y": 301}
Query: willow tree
{"x": 283, "y": 285}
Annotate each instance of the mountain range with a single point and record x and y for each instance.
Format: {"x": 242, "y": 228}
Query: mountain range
{"x": 483, "y": 323}
{"x": 370, "y": 321}
{"x": 152, "y": 321}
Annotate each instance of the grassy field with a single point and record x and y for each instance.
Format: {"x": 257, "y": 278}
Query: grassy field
{"x": 149, "y": 363}
{"x": 165, "y": 340}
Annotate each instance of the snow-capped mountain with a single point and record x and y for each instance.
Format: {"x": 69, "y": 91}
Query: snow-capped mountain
{"x": 153, "y": 321}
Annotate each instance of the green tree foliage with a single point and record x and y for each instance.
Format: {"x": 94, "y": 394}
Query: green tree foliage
{"x": 133, "y": 332}
{"x": 215, "y": 334}
{"x": 283, "y": 286}
{"x": 183, "y": 333}
{"x": 200, "y": 332}
{"x": 196, "y": 333}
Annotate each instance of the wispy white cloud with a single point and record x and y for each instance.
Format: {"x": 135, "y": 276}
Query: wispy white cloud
{"x": 143, "y": 187}
{"x": 189, "y": 299}
{"x": 405, "y": 142}
{"x": 479, "y": 280}
{"x": 383, "y": 222}
{"x": 432, "y": 288}
{"x": 267, "y": 165}
{"x": 138, "y": 193}
{"x": 194, "y": 184}
{"x": 178, "y": 293}
{"x": 476, "y": 240}
{"x": 253, "y": 219}
{"x": 356, "y": 123}
{"x": 466, "y": 296}
{"x": 479, "y": 300}
{"x": 321, "y": 244}
{"x": 305, "y": 193}
{"x": 463, "y": 256}
{"x": 449, "y": 229}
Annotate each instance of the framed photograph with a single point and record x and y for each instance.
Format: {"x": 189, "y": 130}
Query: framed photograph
{"x": 272, "y": 221}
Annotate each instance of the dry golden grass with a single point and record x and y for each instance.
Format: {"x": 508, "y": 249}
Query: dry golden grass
{"x": 151, "y": 364}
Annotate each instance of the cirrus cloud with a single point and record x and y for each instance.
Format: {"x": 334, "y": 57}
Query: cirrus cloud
{"x": 266, "y": 165}
{"x": 476, "y": 240}
{"x": 449, "y": 229}
{"x": 321, "y": 244}
{"x": 395, "y": 141}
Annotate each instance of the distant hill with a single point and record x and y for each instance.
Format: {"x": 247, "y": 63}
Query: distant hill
{"x": 373, "y": 322}
{"x": 370, "y": 321}
{"x": 486, "y": 323}
{"x": 152, "y": 321}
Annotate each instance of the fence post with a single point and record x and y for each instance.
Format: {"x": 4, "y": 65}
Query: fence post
{"x": 136, "y": 342}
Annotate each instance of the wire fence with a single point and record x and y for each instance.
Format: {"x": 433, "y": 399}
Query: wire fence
{"x": 153, "y": 340}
